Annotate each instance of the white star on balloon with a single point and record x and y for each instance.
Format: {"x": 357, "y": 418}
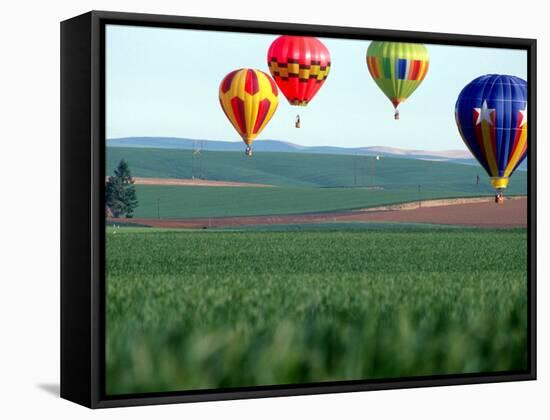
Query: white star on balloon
{"x": 484, "y": 114}
{"x": 523, "y": 112}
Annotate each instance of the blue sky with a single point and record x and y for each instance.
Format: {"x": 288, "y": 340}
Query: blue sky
{"x": 164, "y": 82}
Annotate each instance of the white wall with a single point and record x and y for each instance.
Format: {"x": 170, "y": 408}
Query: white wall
{"x": 29, "y": 169}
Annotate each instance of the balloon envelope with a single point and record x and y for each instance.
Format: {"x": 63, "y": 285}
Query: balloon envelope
{"x": 249, "y": 99}
{"x": 398, "y": 68}
{"x": 491, "y": 115}
{"x": 299, "y": 65}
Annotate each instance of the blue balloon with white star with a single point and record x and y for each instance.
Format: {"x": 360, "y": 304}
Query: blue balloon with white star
{"x": 491, "y": 116}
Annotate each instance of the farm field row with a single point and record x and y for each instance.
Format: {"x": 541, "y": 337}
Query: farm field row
{"x": 184, "y": 202}
{"x": 191, "y": 310}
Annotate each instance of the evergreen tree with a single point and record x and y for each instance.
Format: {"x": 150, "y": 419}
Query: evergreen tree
{"x": 120, "y": 192}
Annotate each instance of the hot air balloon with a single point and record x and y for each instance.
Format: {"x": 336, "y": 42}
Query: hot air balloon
{"x": 491, "y": 115}
{"x": 398, "y": 68}
{"x": 249, "y": 99}
{"x": 300, "y": 66}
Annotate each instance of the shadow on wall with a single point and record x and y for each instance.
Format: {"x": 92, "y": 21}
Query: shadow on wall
{"x": 52, "y": 389}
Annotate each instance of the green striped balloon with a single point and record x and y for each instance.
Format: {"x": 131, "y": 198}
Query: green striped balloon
{"x": 398, "y": 68}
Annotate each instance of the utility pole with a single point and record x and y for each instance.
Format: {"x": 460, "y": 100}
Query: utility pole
{"x": 364, "y": 171}
{"x": 196, "y": 155}
{"x": 419, "y": 197}
{"x": 367, "y": 163}
{"x": 374, "y": 171}
{"x": 355, "y": 169}
{"x": 193, "y": 161}
{"x": 200, "y": 158}
{"x": 158, "y": 208}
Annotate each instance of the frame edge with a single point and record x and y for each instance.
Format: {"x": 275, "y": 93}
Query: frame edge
{"x": 75, "y": 126}
{"x": 91, "y": 143}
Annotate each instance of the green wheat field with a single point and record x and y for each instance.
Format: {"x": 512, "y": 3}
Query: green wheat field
{"x": 302, "y": 182}
{"x": 209, "y": 309}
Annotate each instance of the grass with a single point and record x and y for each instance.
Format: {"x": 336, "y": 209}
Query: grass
{"x": 180, "y": 202}
{"x": 199, "y": 310}
{"x": 307, "y": 169}
{"x": 304, "y": 182}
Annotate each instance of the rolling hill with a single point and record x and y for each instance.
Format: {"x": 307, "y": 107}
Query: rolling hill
{"x": 284, "y": 146}
{"x": 303, "y": 169}
{"x": 302, "y": 182}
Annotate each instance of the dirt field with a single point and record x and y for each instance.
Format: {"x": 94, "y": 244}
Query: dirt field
{"x": 194, "y": 182}
{"x": 477, "y": 213}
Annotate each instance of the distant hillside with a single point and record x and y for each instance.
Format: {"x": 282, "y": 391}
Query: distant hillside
{"x": 282, "y": 146}
{"x": 307, "y": 169}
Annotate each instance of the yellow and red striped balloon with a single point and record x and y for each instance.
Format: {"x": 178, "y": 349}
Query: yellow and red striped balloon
{"x": 249, "y": 98}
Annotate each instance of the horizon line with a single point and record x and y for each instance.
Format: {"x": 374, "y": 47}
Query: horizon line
{"x": 284, "y": 141}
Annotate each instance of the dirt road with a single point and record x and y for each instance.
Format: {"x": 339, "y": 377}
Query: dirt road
{"x": 194, "y": 182}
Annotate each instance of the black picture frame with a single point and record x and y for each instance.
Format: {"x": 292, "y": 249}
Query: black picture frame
{"x": 82, "y": 207}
